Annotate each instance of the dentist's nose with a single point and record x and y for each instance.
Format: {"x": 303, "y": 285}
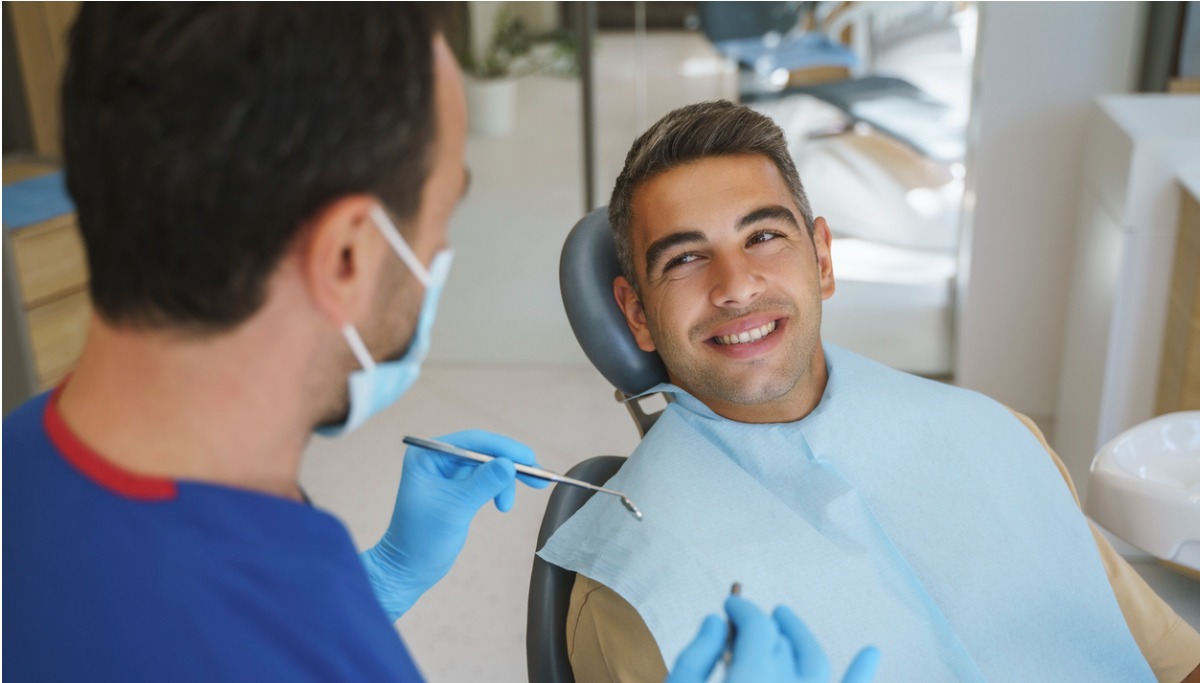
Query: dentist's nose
{"x": 735, "y": 281}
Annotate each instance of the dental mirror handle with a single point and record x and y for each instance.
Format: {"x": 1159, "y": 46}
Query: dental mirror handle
{"x": 535, "y": 472}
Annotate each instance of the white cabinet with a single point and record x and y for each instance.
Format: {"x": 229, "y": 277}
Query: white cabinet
{"x": 1138, "y": 148}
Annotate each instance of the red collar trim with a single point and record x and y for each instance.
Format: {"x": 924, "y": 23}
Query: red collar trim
{"x": 93, "y": 465}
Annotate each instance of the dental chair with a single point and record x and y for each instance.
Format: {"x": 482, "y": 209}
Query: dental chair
{"x": 550, "y": 586}
{"x": 586, "y": 271}
{"x": 766, "y": 39}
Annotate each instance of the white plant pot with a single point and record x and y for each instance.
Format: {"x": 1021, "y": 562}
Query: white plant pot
{"x": 492, "y": 106}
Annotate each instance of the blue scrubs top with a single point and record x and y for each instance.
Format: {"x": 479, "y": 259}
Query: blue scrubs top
{"x": 111, "y": 576}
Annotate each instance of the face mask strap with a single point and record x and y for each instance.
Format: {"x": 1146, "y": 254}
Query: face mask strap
{"x": 392, "y": 235}
{"x": 357, "y": 347}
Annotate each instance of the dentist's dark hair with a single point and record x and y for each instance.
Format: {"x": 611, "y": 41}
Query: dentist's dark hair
{"x": 691, "y": 133}
{"x": 200, "y": 138}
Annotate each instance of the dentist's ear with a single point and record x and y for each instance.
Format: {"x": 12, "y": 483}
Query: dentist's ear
{"x": 341, "y": 258}
{"x": 635, "y": 314}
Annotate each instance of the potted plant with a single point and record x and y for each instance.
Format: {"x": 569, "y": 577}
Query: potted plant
{"x": 510, "y": 53}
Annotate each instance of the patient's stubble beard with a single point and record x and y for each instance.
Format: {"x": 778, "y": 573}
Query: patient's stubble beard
{"x": 750, "y": 382}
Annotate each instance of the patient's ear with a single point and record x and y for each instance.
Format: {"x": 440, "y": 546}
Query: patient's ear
{"x": 822, "y": 242}
{"x": 635, "y": 314}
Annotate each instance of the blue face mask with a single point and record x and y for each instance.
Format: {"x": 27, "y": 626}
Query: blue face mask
{"x": 378, "y": 385}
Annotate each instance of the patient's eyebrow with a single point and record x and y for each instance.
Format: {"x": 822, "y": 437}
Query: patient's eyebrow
{"x": 767, "y": 213}
{"x": 659, "y": 247}
{"x": 655, "y": 251}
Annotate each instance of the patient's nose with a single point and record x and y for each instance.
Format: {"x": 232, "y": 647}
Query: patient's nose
{"x": 735, "y": 281}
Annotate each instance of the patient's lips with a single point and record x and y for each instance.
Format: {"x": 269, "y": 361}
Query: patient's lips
{"x": 746, "y": 336}
{"x": 749, "y": 337}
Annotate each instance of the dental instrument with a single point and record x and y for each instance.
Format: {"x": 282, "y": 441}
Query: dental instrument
{"x": 526, "y": 470}
{"x": 735, "y": 589}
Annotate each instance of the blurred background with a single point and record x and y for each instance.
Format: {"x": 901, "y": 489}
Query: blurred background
{"x": 1012, "y": 189}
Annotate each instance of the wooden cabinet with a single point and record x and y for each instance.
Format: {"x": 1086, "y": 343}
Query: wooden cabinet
{"x": 1179, "y": 376}
{"x": 50, "y": 260}
{"x": 46, "y": 305}
{"x": 41, "y": 30}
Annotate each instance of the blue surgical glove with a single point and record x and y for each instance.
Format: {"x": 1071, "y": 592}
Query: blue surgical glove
{"x": 776, "y": 649}
{"x": 438, "y": 496}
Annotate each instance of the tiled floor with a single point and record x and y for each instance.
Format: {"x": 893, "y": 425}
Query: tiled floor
{"x": 471, "y": 626}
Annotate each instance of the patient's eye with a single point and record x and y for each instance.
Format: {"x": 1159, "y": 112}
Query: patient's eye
{"x": 680, "y": 260}
{"x": 763, "y": 236}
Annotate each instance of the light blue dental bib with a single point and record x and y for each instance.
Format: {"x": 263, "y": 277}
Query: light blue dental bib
{"x": 918, "y": 517}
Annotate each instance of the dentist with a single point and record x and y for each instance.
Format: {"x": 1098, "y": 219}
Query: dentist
{"x": 263, "y": 192}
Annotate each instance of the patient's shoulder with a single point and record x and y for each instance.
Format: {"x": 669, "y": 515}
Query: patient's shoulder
{"x": 1031, "y": 426}
{"x": 587, "y": 587}
{"x": 604, "y": 608}
{"x": 1058, "y": 463}
{"x": 607, "y": 639}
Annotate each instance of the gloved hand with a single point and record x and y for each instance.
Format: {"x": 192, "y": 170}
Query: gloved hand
{"x": 438, "y": 496}
{"x": 778, "y": 649}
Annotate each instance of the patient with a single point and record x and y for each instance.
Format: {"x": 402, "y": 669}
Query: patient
{"x": 885, "y": 509}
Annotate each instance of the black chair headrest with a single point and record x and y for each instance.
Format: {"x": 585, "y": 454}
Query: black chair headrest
{"x": 585, "y": 275}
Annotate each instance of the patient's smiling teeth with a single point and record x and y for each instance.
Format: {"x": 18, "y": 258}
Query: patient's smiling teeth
{"x": 747, "y": 336}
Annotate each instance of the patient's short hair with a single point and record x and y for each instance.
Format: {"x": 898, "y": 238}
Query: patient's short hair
{"x": 691, "y": 133}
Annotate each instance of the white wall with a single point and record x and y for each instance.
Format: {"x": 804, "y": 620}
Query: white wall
{"x": 1040, "y": 65}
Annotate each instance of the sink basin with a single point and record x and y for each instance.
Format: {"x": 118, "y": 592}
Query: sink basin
{"x": 1145, "y": 487}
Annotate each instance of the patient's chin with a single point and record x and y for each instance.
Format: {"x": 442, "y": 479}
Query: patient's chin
{"x": 742, "y": 390}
